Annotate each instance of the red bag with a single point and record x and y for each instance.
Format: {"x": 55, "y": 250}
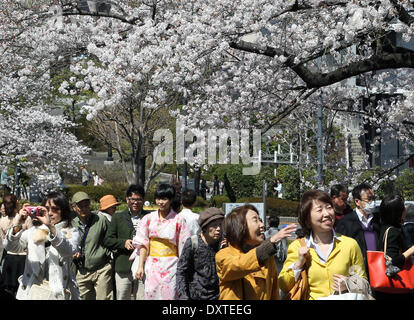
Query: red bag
{"x": 402, "y": 282}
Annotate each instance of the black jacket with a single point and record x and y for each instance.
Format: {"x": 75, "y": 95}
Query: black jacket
{"x": 408, "y": 235}
{"x": 350, "y": 226}
{"x": 121, "y": 229}
{"x": 394, "y": 244}
{"x": 196, "y": 272}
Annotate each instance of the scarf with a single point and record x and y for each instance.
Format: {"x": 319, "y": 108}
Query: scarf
{"x": 45, "y": 262}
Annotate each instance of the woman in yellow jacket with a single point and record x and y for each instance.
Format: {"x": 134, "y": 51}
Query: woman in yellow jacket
{"x": 246, "y": 268}
{"x": 331, "y": 257}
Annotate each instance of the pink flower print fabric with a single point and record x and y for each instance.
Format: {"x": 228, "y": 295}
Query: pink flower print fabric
{"x": 160, "y": 271}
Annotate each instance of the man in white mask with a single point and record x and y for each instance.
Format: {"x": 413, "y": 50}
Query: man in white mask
{"x": 363, "y": 224}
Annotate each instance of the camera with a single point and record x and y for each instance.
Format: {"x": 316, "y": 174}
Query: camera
{"x": 80, "y": 262}
{"x": 33, "y": 211}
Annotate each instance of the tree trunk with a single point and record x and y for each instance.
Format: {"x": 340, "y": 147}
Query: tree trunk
{"x": 229, "y": 189}
{"x": 197, "y": 176}
{"x": 139, "y": 170}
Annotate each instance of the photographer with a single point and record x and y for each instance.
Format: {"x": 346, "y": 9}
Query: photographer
{"x": 50, "y": 244}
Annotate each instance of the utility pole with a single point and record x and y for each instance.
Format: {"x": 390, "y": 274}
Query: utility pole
{"x": 321, "y": 178}
{"x": 264, "y": 202}
{"x": 184, "y": 176}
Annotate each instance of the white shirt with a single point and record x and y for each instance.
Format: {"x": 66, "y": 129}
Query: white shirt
{"x": 312, "y": 244}
{"x": 191, "y": 219}
{"x": 362, "y": 218}
{"x": 106, "y": 215}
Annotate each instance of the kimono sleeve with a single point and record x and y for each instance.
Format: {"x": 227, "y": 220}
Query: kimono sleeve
{"x": 141, "y": 238}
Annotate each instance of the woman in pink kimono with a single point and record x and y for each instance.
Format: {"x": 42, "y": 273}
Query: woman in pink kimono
{"x": 159, "y": 239}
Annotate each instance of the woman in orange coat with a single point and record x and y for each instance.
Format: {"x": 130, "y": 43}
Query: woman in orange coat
{"x": 246, "y": 268}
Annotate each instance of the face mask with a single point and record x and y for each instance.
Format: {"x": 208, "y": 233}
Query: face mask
{"x": 369, "y": 207}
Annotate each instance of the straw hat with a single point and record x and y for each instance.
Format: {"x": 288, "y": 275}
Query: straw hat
{"x": 107, "y": 202}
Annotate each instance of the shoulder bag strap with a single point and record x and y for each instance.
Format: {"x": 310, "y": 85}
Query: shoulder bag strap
{"x": 88, "y": 226}
{"x": 303, "y": 244}
{"x": 385, "y": 240}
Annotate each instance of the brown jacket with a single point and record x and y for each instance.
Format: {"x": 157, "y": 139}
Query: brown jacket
{"x": 242, "y": 278}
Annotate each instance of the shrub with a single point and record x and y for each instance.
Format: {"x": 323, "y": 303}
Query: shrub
{"x": 246, "y": 185}
{"x": 278, "y": 207}
{"x": 200, "y": 202}
{"x": 97, "y": 192}
{"x": 217, "y": 201}
{"x": 404, "y": 184}
{"x": 290, "y": 181}
{"x": 198, "y": 209}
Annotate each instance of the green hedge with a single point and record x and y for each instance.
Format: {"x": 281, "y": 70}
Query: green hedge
{"x": 217, "y": 201}
{"x": 97, "y": 192}
{"x": 275, "y": 207}
{"x": 200, "y": 202}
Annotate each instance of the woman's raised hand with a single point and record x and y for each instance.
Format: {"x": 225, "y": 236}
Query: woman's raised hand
{"x": 284, "y": 233}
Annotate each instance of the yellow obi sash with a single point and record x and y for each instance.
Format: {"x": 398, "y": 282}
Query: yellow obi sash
{"x": 162, "y": 248}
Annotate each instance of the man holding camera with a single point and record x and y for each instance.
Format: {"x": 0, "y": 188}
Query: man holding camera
{"x": 94, "y": 272}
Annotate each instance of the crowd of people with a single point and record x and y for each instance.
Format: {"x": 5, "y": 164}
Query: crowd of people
{"x": 63, "y": 250}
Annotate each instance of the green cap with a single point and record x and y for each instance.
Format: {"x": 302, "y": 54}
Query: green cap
{"x": 80, "y": 196}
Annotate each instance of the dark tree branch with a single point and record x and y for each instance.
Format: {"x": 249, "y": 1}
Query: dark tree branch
{"x": 318, "y": 80}
{"x": 387, "y": 172}
{"x": 132, "y": 21}
{"x": 403, "y": 15}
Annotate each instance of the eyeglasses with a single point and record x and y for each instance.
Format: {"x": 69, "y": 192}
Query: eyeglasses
{"x": 135, "y": 199}
{"x": 369, "y": 199}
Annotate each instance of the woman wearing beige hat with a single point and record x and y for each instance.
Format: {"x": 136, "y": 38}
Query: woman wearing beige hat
{"x": 196, "y": 270}
{"x": 108, "y": 206}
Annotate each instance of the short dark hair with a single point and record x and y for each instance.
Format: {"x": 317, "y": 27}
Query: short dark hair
{"x": 305, "y": 207}
{"x": 356, "y": 192}
{"x": 165, "y": 191}
{"x": 235, "y": 225}
{"x": 409, "y": 212}
{"x": 175, "y": 204}
{"x": 391, "y": 210}
{"x": 274, "y": 221}
{"x": 336, "y": 190}
{"x": 62, "y": 202}
{"x": 135, "y": 188}
{"x": 188, "y": 198}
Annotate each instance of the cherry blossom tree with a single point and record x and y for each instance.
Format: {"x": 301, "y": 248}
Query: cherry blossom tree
{"x": 228, "y": 64}
{"x": 39, "y": 143}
